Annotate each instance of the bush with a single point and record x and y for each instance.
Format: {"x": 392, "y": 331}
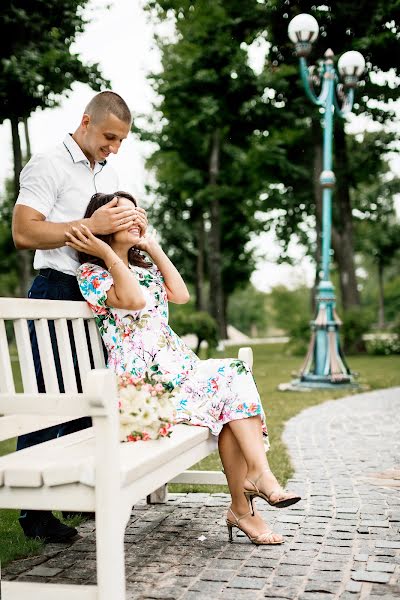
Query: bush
{"x": 356, "y": 322}
{"x": 383, "y": 345}
{"x": 299, "y": 333}
{"x": 199, "y": 323}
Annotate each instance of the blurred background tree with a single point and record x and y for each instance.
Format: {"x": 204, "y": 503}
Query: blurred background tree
{"x": 37, "y": 66}
{"x": 239, "y": 151}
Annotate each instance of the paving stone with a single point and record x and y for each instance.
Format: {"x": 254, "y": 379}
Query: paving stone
{"x": 217, "y": 575}
{"x": 316, "y": 596}
{"x": 383, "y": 567}
{"x": 263, "y": 572}
{"x": 353, "y": 587}
{"x": 371, "y": 576}
{"x": 337, "y": 558}
{"x": 322, "y": 586}
{"x": 207, "y": 587}
{"x": 393, "y": 545}
{"x": 321, "y": 565}
{"x": 281, "y": 593}
{"x": 361, "y": 557}
{"x": 374, "y": 524}
{"x": 250, "y": 583}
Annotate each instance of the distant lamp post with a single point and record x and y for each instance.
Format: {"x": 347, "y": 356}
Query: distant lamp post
{"x": 325, "y": 365}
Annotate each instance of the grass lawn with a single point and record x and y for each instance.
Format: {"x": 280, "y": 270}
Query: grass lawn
{"x": 271, "y": 367}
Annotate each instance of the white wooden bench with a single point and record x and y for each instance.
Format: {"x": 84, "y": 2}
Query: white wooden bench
{"x": 88, "y": 470}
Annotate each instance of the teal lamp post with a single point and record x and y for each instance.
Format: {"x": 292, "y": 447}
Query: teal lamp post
{"x": 325, "y": 365}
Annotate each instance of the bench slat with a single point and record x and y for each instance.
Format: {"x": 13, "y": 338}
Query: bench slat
{"x": 71, "y": 459}
{"x": 26, "y": 468}
{"x": 47, "y": 355}
{"x": 65, "y": 352}
{"x": 95, "y": 342}
{"x": 82, "y": 352}
{"x": 25, "y": 357}
{"x": 16, "y": 590}
{"x": 6, "y": 378}
{"x": 32, "y": 308}
{"x": 14, "y": 425}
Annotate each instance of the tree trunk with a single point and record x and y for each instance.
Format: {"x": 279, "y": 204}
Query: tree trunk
{"x": 381, "y": 309}
{"x": 217, "y": 304}
{"x": 342, "y": 229}
{"x": 25, "y": 256}
{"x": 17, "y": 153}
{"x": 27, "y": 139}
{"x": 199, "y": 289}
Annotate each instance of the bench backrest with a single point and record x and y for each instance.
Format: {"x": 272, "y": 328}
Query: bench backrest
{"x": 16, "y": 347}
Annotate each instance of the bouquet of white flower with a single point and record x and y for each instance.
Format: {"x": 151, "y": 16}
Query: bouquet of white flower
{"x": 146, "y": 408}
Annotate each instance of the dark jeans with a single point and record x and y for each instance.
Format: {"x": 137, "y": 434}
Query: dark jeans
{"x": 52, "y": 285}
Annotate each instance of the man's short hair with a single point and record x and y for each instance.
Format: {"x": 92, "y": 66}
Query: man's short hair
{"x": 108, "y": 102}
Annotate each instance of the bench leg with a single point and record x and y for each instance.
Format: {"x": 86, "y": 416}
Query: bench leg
{"x": 110, "y": 555}
{"x": 159, "y": 496}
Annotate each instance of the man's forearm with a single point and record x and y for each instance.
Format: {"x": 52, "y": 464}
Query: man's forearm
{"x": 43, "y": 235}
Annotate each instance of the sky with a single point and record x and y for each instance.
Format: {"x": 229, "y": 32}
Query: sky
{"x": 121, "y": 41}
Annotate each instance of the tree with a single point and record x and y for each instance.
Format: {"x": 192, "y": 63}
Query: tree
{"x": 37, "y": 64}
{"x": 211, "y": 158}
{"x": 247, "y": 311}
{"x": 380, "y": 240}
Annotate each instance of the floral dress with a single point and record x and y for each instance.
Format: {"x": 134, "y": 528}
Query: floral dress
{"x": 210, "y": 392}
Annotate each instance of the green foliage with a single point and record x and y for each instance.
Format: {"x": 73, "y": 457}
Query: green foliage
{"x": 299, "y": 337}
{"x": 247, "y": 311}
{"x": 184, "y": 319}
{"x": 207, "y": 86}
{"x": 384, "y": 345}
{"x": 356, "y": 322}
{"x": 37, "y": 64}
{"x": 291, "y": 308}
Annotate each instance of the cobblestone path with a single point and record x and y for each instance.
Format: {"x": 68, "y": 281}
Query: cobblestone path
{"x": 342, "y": 540}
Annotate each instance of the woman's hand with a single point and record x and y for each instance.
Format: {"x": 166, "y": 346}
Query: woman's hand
{"x": 83, "y": 240}
{"x": 140, "y": 219}
{"x": 146, "y": 243}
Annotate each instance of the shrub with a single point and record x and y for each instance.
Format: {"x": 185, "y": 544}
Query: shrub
{"x": 299, "y": 334}
{"x": 199, "y": 323}
{"x": 356, "y": 322}
{"x": 384, "y": 344}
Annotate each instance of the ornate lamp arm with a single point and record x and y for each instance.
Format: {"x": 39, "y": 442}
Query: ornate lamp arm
{"x": 306, "y": 77}
{"x": 346, "y": 95}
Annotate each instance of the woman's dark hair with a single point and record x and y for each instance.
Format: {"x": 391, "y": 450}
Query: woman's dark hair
{"x": 135, "y": 257}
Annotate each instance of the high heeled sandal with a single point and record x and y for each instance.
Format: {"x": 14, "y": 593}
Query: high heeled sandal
{"x": 283, "y": 500}
{"x": 263, "y": 539}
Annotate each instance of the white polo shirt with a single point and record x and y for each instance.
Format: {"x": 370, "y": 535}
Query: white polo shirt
{"x": 59, "y": 184}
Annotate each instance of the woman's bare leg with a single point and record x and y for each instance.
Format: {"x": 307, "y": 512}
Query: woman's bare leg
{"x": 249, "y": 437}
{"x": 235, "y": 468}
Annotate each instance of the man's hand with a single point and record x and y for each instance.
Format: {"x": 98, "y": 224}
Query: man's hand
{"x": 111, "y": 218}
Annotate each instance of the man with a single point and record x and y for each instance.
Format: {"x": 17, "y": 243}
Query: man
{"x": 55, "y": 188}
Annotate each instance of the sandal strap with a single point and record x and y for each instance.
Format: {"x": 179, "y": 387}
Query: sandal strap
{"x": 239, "y": 518}
{"x": 260, "y": 475}
{"x": 254, "y": 483}
{"x": 266, "y": 535}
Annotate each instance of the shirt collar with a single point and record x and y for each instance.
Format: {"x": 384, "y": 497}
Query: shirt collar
{"x": 75, "y": 151}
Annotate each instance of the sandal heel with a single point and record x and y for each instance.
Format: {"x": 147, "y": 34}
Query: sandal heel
{"x": 250, "y": 496}
{"x": 229, "y": 526}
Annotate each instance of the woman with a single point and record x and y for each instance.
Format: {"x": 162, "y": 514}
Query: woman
{"x": 129, "y": 297}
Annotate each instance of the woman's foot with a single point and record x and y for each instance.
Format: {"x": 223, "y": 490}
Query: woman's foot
{"x": 266, "y": 486}
{"x": 253, "y": 526}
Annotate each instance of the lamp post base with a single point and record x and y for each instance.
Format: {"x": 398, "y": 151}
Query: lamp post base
{"x": 301, "y": 385}
{"x": 324, "y": 366}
